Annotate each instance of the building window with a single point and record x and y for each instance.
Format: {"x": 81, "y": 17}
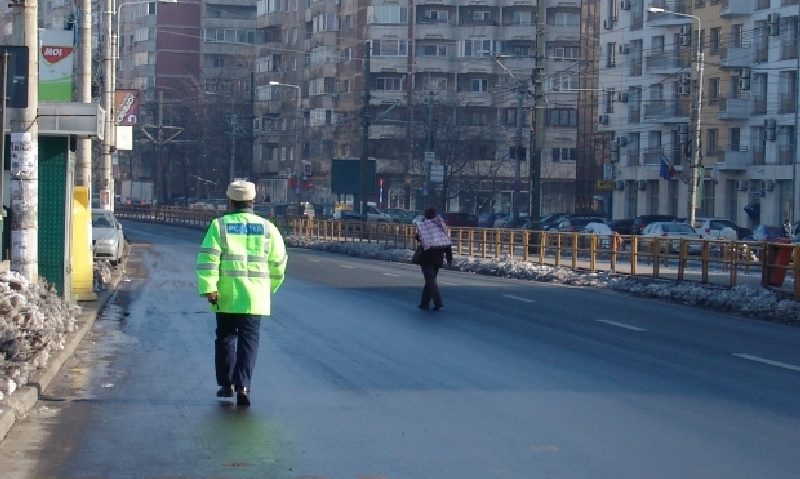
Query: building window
{"x": 432, "y": 50}
{"x": 521, "y": 18}
{"x": 389, "y": 83}
{"x": 562, "y": 117}
{"x": 564, "y": 81}
{"x": 565, "y": 53}
{"x": 611, "y": 54}
{"x": 389, "y": 48}
{"x": 477, "y": 48}
{"x": 564, "y": 154}
{"x": 387, "y": 14}
{"x": 477, "y": 84}
{"x": 712, "y": 142}
{"x": 713, "y": 91}
{"x": 715, "y": 39}
{"x": 435, "y": 16}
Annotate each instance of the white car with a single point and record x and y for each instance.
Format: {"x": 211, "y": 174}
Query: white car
{"x": 670, "y": 233}
{"x": 108, "y": 242}
{"x": 715, "y": 229}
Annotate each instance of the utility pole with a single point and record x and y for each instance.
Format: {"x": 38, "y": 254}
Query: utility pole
{"x": 362, "y": 165}
{"x": 106, "y": 180}
{"x": 537, "y": 116}
{"x": 83, "y": 158}
{"x": 429, "y": 161}
{"x": 4, "y": 59}
{"x": 25, "y": 150}
{"x": 232, "y": 166}
{"x": 518, "y": 151}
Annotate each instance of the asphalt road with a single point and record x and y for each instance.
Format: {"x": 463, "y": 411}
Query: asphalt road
{"x": 512, "y": 379}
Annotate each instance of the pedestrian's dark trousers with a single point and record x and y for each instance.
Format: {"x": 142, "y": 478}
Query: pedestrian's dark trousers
{"x": 236, "y": 348}
{"x": 431, "y": 289}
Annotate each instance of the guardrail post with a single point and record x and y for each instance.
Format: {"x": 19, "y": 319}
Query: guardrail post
{"x": 574, "y": 245}
{"x": 682, "y": 258}
{"x": 634, "y": 254}
{"x": 592, "y": 251}
{"x": 704, "y": 262}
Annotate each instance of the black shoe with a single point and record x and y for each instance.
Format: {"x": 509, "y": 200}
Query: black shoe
{"x": 423, "y": 307}
{"x": 242, "y": 398}
{"x": 225, "y": 392}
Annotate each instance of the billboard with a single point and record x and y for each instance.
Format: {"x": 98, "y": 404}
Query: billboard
{"x": 55, "y": 65}
{"x": 126, "y": 107}
{"x": 344, "y": 177}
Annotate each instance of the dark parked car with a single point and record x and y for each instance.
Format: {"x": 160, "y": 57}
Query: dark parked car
{"x": 486, "y": 220}
{"x": 641, "y": 221}
{"x": 468, "y": 220}
{"x": 576, "y": 224}
{"x": 767, "y": 233}
{"x": 622, "y": 227}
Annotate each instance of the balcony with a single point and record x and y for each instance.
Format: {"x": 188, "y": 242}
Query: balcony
{"x": 667, "y": 112}
{"x": 786, "y": 154}
{"x": 475, "y": 98}
{"x": 432, "y": 64}
{"x": 476, "y": 64}
{"x": 517, "y": 31}
{"x": 396, "y": 131}
{"x": 668, "y": 18}
{"x": 736, "y": 57}
{"x": 388, "y": 64}
{"x": 734, "y": 160}
{"x": 566, "y": 34}
{"x": 667, "y": 63}
{"x": 734, "y": 108}
{"x": 379, "y": 97}
{"x": 434, "y": 31}
{"x": 735, "y": 8}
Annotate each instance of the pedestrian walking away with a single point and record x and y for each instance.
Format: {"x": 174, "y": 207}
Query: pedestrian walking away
{"x": 432, "y": 233}
{"x": 240, "y": 264}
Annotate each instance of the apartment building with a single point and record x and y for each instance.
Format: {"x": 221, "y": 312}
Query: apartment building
{"x": 747, "y": 124}
{"x": 444, "y": 76}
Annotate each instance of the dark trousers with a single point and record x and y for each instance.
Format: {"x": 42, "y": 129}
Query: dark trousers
{"x": 236, "y": 348}
{"x": 431, "y": 289}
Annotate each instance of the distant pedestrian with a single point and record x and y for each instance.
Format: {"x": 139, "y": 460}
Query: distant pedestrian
{"x": 787, "y": 227}
{"x": 432, "y": 233}
{"x": 241, "y": 261}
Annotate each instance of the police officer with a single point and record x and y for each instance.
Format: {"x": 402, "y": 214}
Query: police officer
{"x": 241, "y": 261}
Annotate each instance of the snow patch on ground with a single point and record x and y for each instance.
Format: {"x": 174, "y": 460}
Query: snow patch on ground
{"x": 749, "y": 301}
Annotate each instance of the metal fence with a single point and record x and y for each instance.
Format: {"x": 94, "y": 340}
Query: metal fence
{"x": 725, "y": 263}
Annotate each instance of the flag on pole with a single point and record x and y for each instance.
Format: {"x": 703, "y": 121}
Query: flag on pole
{"x": 667, "y": 171}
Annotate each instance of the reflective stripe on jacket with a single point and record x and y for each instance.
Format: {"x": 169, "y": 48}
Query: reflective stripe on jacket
{"x": 243, "y": 259}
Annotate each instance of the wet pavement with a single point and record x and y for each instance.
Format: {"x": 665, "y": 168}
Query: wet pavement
{"x": 510, "y": 380}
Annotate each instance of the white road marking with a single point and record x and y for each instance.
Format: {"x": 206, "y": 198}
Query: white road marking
{"x": 770, "y": 362}
{"x": 621, "y": 325}
{"x": 391, "y": 274}
{"x": 524, "y": 300}
{"x": 313, "y": 260}
{"x": 347, "y": 266}
{"x": 447, "y": 283}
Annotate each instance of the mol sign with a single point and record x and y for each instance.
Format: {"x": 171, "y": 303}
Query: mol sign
{"x": 55, "y": 66}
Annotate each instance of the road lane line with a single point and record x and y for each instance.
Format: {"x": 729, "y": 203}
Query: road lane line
{"x": 391, "y": 274}
{"x": 517, "y": 298}
{"x": 314, "y": 260}
{"x": 347, "y": 266}
{"x": 770, "y": 362}
{"x": 620, "y": 325}
{"x": 447, "y": 283}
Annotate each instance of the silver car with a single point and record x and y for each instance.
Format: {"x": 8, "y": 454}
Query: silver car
{"x": 108, "y": 241}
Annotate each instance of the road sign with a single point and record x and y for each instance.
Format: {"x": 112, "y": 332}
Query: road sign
{"x": 17, "y": 79}
{"x": 604, "y": 185}
{"x": 437, "y": 173}
{"x": 429, "y": 157}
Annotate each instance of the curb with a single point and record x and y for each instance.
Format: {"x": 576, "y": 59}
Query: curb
{"x": 17, "y": 405}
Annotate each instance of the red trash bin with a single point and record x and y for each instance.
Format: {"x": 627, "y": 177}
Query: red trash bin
{"x": 778, "y": 261}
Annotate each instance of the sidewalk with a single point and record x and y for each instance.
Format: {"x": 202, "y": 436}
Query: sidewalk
{"x": 17, "y": 404}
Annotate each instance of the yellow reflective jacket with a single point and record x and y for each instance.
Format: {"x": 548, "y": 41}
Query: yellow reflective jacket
{"x": 243, "y": 259}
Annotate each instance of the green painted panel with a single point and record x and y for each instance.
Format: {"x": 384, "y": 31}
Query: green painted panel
{"x": 53, "y": 154}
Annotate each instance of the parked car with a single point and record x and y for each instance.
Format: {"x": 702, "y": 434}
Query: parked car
{"x": 622, "y": 227}
{"x": 576, "y": 224}
{"x": 767, "y": 233}
{"x": 486, "y": 220}
{"x": 641, "y": 221}
{"x": 400, "y": 215}
{"x": 507, "y": 221}
{"x": 348, "y": 215}
{"x": 716, "y": 229}
{"x": 672, "y": 232}
{"x": 108, "y": 240}
{"x": 467, "y": 220}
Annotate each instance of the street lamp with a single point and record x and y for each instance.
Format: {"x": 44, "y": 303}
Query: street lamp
{"x": 696, "y": 161}
{"x": 298, "y": 132}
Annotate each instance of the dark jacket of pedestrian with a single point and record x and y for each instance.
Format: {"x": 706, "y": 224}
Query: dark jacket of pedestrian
{"x": 431, "y": 260}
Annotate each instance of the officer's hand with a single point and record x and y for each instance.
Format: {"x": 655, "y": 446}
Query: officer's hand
{"x": 212, "y": 297}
